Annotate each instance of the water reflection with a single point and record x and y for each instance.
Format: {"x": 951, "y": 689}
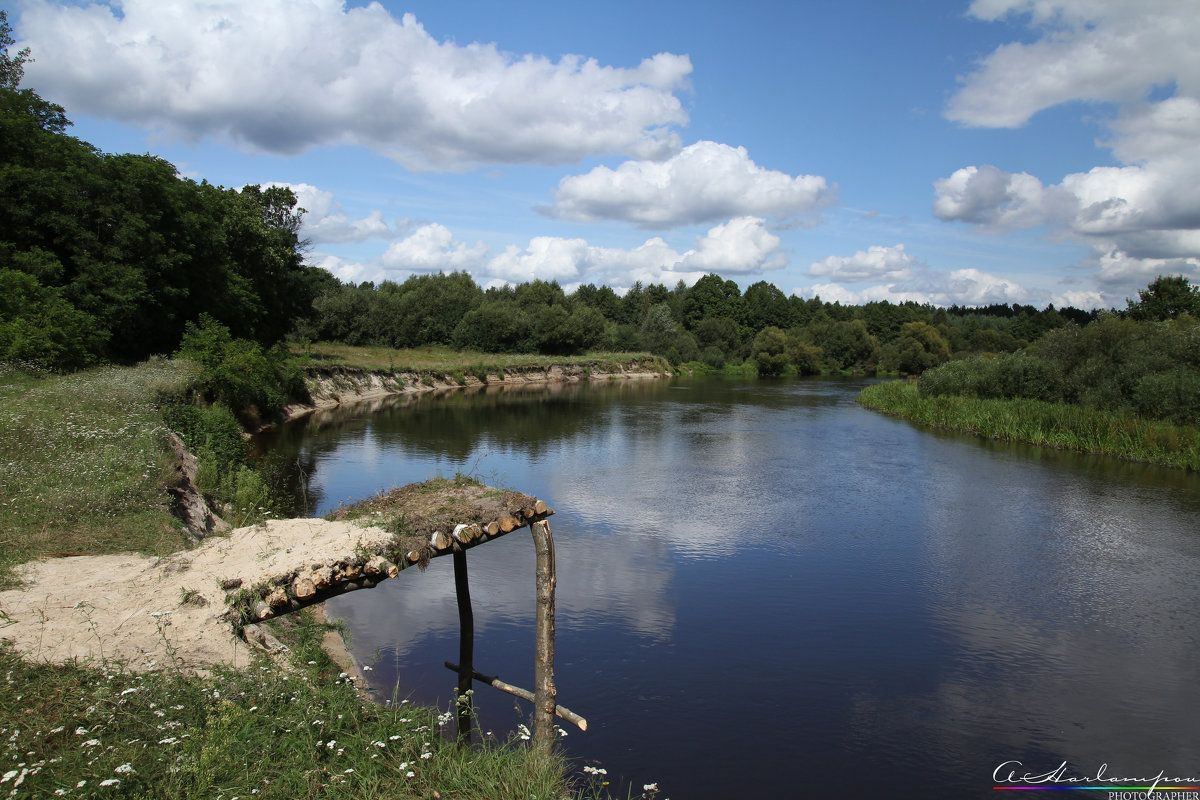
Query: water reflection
{"x": 768, "y": 576}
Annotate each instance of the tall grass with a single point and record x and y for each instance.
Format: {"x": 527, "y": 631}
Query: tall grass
{"x": 1058, "y": 425}
{"x": 85, "y": 462}
{"x": 265, "y": 731}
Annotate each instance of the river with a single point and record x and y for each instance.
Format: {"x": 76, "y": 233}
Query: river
{"x": 765, "y": 590}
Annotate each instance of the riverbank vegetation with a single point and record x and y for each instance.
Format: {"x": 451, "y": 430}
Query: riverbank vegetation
{"x": 1126, "y": 385}
{"x": 443, "y": 360}
{"x": 301, "y": 732}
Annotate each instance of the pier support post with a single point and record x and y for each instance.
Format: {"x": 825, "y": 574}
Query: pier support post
{"x": 544, "y": 692}
{"x": 466, "y": 645}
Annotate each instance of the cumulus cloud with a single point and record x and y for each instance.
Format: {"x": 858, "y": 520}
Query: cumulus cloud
{"x": 968, "y": 287}
{"x": 1111, "y": 51}
{"x": 1138, "y": 218}
{"x": 432, "y": 248}
{"x": 283, "y": 77}
{"x": 740, "y": 246}
{"x": 876, "y": 263}
{"x": 344, "y": 269}
{"x": 325, "y": 221}
{"x": 705, "y": 182}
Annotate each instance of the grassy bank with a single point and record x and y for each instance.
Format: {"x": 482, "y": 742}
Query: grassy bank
{"x": 261, "y": 731}
{"x": 85, "y": 462}
{"x": 438, "y": 358}
{"x": 1057, "y": 425}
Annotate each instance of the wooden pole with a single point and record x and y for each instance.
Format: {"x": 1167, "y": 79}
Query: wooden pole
{"x": 466, "y": 645}
{"x": 543, "y": 665}
{"x": 562, "y": 712}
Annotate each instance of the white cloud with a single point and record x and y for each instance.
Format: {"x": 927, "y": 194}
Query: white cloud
{"x": 432, "y": 248}
{"x": 967, "y": 287}
{"x": 283, "y": 77}
{"x": 705, "y": 182}
{"x": 876, "y": 263}
{"x": 988, "y": 197}
{"x": 344, "y": 269}
{"x": 836, "y": 293}
{"x": 325, "y": 221}
{"x": 741, "y": 246}
{"x": 1111, "y": 51}
{"x": 1139, "y": 218}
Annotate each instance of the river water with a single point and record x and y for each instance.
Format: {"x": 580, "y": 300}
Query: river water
{"x": 767, "y": 591}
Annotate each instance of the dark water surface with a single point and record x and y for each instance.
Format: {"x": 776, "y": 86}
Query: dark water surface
{"x": 767, "y": 591}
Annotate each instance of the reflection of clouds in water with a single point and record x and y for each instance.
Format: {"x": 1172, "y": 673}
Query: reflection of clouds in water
{"x": 636, "y": 473}
{"x": 598, "y": 577}
{"x": 1069, "y": 615}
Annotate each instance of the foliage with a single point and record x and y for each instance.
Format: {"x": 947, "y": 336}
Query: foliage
{"x": 1062, "y": 426}
{"x": 111, "y": 255}
{"x": 239, "y": 373}
{"x": 771, "y": 351}
{"x": 295, "y": 730}
{"x": 1166, "y": 297}
{"x": 1116, "y": 363}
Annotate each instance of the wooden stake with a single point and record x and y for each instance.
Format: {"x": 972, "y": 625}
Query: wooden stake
{"x": 562, "y": 712}
{"x": 466, "y": 645}
{"x": 543, "y": 663}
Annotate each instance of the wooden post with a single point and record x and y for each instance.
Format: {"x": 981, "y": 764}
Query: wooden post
{"x": 466, "y": 645}
{"x": 543, "y": 665}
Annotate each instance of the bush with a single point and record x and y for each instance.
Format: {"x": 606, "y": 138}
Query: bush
{"x": 239, "y": 373}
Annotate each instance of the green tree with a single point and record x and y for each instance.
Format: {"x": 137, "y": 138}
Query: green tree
{"x": 1166, "y": 297}
{"x": 766, "y": 305}
{"x": 770, "y": 351}
{"x": 712, "y": 297}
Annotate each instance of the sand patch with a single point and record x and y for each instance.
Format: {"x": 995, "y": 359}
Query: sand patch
{"x": 148, "y": 612}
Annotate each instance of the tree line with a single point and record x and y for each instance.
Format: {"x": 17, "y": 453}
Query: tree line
{"x": 116, "y": 257}
{"x": 712, "y": 323}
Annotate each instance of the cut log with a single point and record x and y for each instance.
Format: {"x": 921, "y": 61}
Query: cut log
{"x": 540, "y": 508}
{"x": 492, "y": 528}
{"x": 351, "y": 572}
{"x": 262, "y": 610}
{"x": 562, "y": 712}
{"x": 414, "y": 556}
{"x": 439, "y": 541}
{"x": 467, "y": 533}
{"x": 322, "y": 577}
{"x": 277, "y": 598}
{"x": 509, "y": 524}
{"x": 303, "y": 588}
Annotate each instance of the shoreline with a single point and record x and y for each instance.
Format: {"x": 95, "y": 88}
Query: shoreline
{"x": 334, "y": 387}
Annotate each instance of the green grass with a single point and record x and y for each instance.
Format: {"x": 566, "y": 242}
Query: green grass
{"x": 1056, "y": 425}
{"x": 262, "y": 731}
{"x": 85, "y": 464}
{"x": 438, "y": 358}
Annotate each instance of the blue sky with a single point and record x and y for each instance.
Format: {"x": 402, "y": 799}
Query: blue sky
{"x": 1028, "y": 151}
